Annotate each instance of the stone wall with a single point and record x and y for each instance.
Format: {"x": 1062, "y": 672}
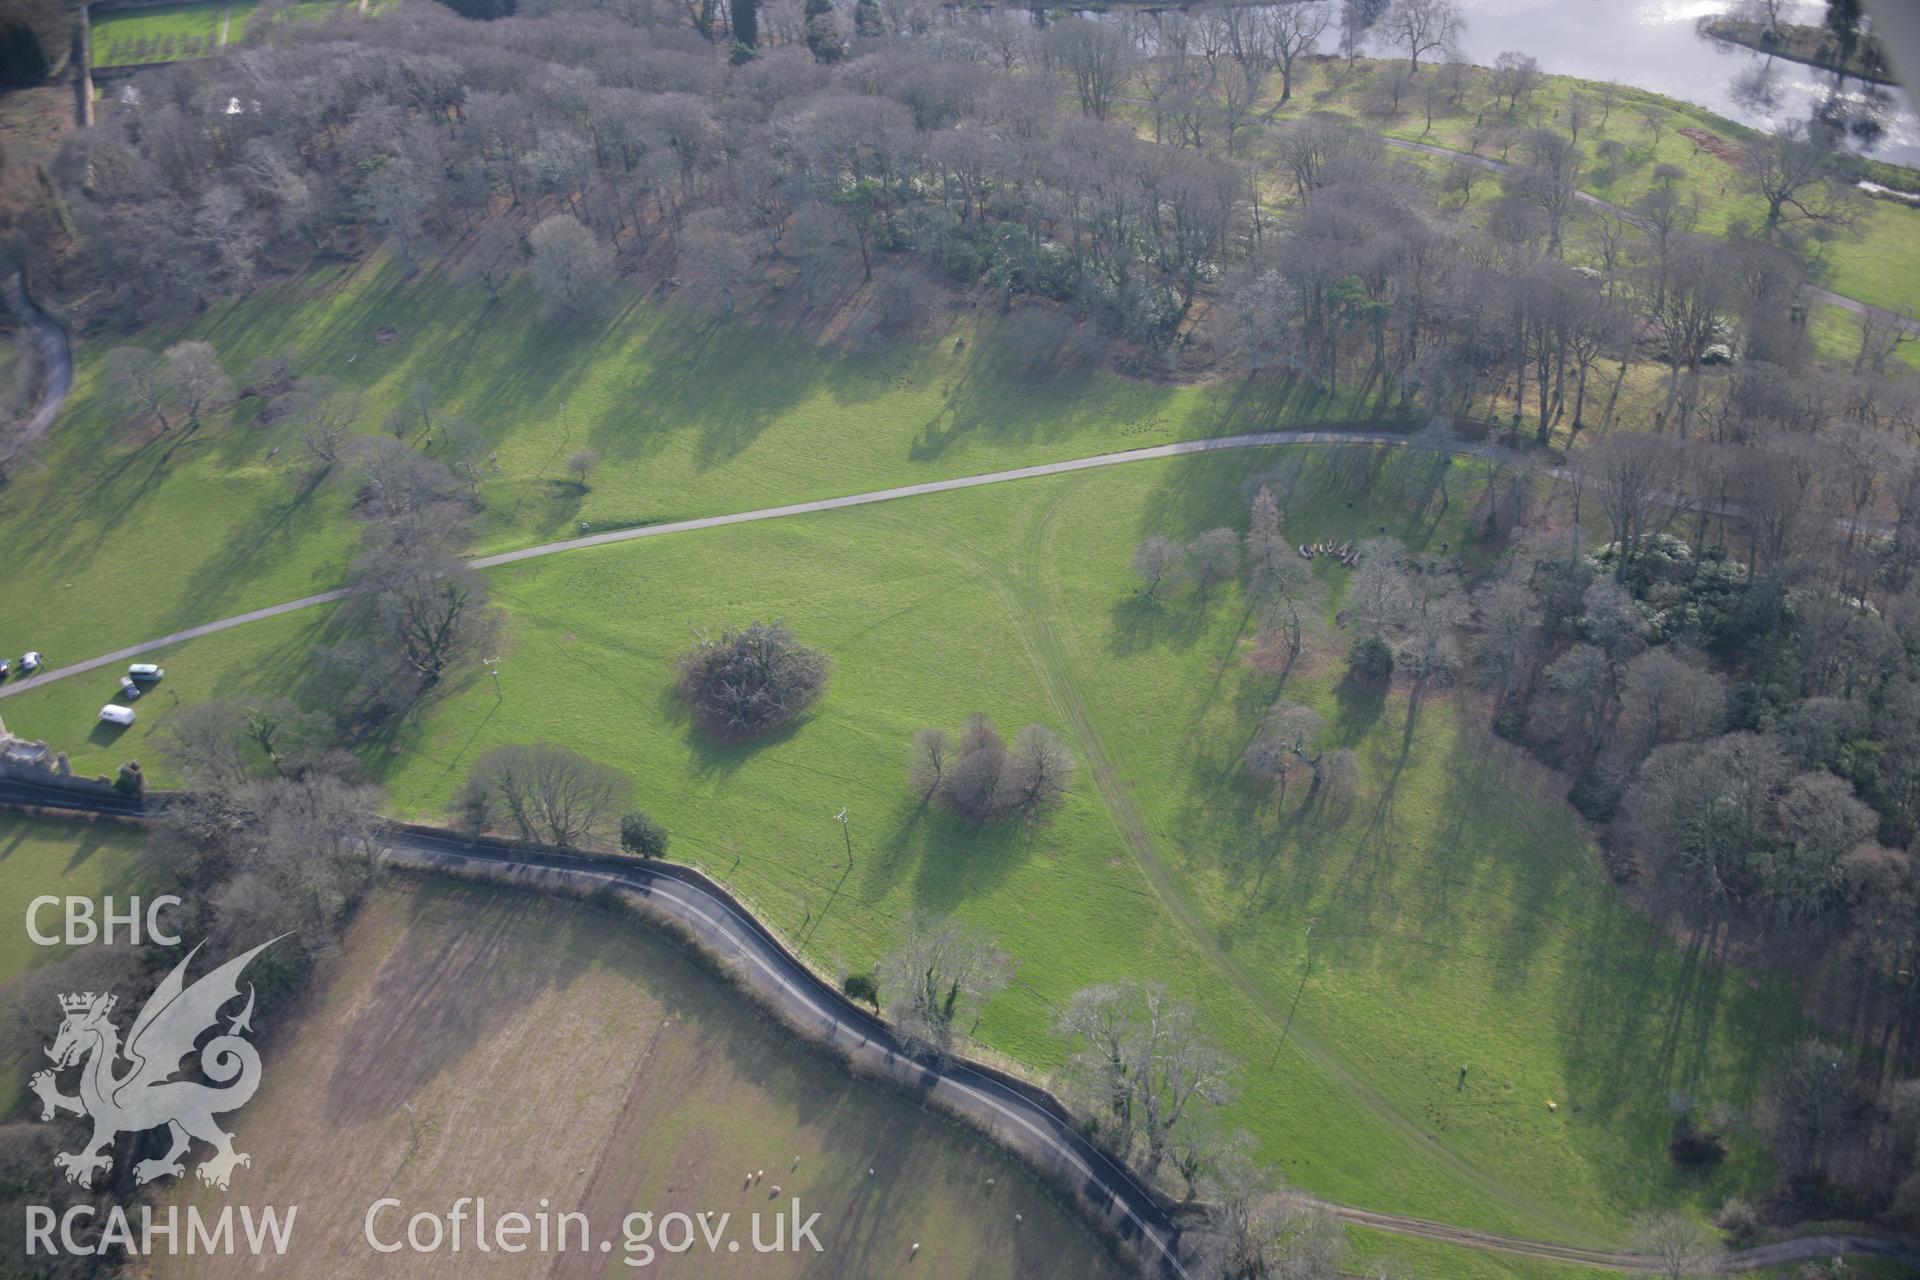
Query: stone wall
{"x": 36, "y": 762}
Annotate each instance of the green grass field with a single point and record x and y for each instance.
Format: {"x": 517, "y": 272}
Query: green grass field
{"x": 120, "y": 534}
{"x": 43, "y": 856}
{"x": 165, "y": 33}
{"x": 1459, "y": 916}
{"x": 1431, "y": 1258}
{"x": 66, "y": 859}
{"x": 169, "y": 33}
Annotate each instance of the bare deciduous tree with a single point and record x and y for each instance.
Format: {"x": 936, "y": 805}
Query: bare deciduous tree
{"x": 1422, "y": 26}
{"x": 194, "y": 378}
{"x": 421, "y": 605}
{"x": 927, "y": 763}
{"x": 1214, "y": 558}
{"x": 570, "y": 265}
{"x": 1098, "y": 57}
{"x": 1290, "y": 30}
{"x": 136, "y": 379}
{"x": 1679, "y": 1247}
{"x": 1801, "y": 178}
{"x": 1155, "y": 560}
{"x": 1509, "y": 633}
{"x": 544, "y": 793}
{"x": 1141, "y": 1066}
{"x": 981, "y": 779}
{"x": 580, "y": 465}
{"x": 935, "y": 981}
{"x": 1253, "y": 1232}
{"x": 490, "y": 260}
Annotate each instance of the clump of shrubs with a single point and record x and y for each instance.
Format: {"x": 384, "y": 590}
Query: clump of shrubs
{"x": 1740, "y": 1221}
{"x": 861, "y": 987}
{"x": 751, "y": 681}
{"x": 1692, "y": 1146}
{"x": 982, "y": 779}
{"x": 642, "y": 835}
{"x": 1371, "y": 659}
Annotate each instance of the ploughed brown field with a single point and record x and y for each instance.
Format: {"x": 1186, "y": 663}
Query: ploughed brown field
{"x": 470, "y": 1042}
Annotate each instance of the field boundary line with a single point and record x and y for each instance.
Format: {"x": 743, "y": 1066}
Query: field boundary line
{"x": 429, "y": 845}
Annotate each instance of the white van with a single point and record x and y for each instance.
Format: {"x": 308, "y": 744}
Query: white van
{"x": 145, "y": 671}
{"x": 119, "y": 715}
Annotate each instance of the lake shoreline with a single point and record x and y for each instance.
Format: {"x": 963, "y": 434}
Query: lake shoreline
{"x": 1801, "y": 44}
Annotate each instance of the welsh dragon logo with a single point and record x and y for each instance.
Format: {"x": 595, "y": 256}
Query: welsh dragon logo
{"x": 146, "y": 1096}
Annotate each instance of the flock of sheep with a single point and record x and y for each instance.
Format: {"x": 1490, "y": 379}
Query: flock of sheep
{"x": 1346, "y": 553}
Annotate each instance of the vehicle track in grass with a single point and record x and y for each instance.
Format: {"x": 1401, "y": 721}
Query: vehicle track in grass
{"x": 1032, "y": 598}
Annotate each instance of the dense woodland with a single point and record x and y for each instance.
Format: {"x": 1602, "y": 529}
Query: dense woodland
{"x": 1703, "y": 605}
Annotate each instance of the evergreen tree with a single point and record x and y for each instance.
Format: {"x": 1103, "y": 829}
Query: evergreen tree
{"x": 823, "y": 31}
{"x": 746, "y": 29}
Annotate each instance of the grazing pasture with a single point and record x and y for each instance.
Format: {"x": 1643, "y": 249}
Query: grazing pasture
{"x": 468, "y": 1041}
{"x": 49, "y": 857}
{"x": 1456, "y": 915}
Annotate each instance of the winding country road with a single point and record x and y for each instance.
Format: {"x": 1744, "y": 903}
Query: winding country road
{"x": 1021, "y": 1115}
{"x": 1256, "y": 440}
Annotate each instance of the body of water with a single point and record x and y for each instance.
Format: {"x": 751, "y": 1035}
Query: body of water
{"x": 1652, "y": 44}
{"x": 1655, "y": 45}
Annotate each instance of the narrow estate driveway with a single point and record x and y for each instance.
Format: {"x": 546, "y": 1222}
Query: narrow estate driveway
{"x": 1256, "y": 440}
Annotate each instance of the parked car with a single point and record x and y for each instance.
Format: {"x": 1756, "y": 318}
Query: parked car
{"x": 146, "y": 671}
{"x": 29, "y": 661}
{"x": 6, "y": 668}
{"x": 115, "y": 714}
{"x": 129, "y": 688}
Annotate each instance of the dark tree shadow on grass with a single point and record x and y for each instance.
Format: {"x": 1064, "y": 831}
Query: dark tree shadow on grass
{"x": 1360, "y": 701}
{"x": 725, "y": 756}
{"x": 560, "y": 506}
{"x": 1140, "y": 621}
{"x": 952, "y": 860}
{"x": 281, "y": 533}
